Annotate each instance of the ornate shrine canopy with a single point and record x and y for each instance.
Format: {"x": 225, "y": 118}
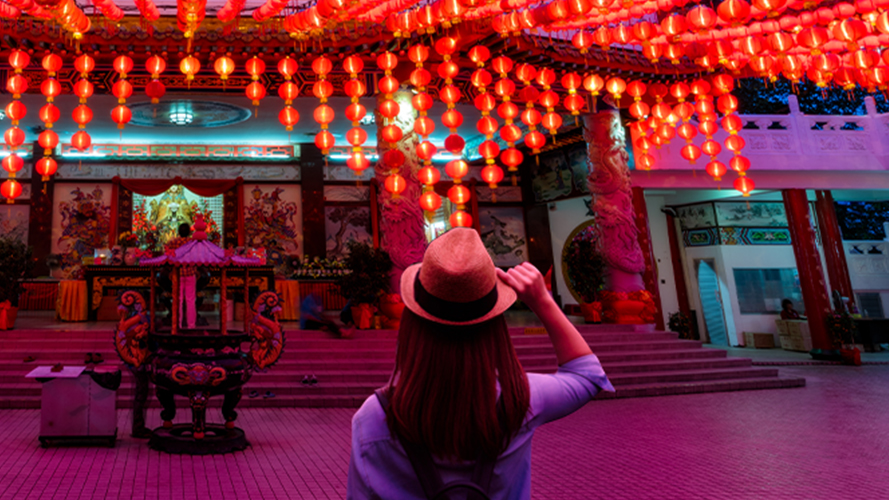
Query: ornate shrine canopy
{"x": 202, "y": 253}
{"x": 526, "y": 68}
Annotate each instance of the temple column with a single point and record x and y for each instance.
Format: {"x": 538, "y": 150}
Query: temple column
{"x": 832, "y": 243}
{"x": 40, "y": 217}
{"x": 402, "y": 225}
{"x": 610, "y": 184}
{"x": 808, "y": 265}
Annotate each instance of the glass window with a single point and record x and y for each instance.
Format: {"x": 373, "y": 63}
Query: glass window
{"x": 760, "y": 291}
{"x": 870, "y": 305}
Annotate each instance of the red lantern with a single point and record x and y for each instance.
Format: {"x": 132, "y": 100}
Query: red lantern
{"x": 123, "y": 65}
{"x": 10, "y": 189}
{"x": 426, "y": 150}
{"x": 290, "y": 117}
{"x": 155, "y": 90}
{"x": 615, "y": 86}
{"x": 15, "y": 110}
{"x": 189, "y": 66}
{"x": 81, "y": 140}
{"x": 745, "y": 185}
{"x": 716, "y": 169}
{"x": 13, "y": 163}
{"x": 51, "y": 88}
{"x": 48, "y": 140}
{"x": 512, "y": 158}
{"x": 492, "y": 174}
{"x": 691, "y": 153}
{"x": 454, "y": 144}
{"x": 428, "y": 175}
{"x": 456, "y": 169}
{"x": 155, "y": 65}
{"x": 395, "y": 184}
{"x": 452, "y": 119}
{"x": 16, "y": 85}
{"x": 255, "y": 92}
{"x": 121, "y": 115}
{"x": 429, "y": 201}
{"x": 122, "y": 89}
{"x": 357, "y": 162}
{"x": 255, "y": 68}
{"x": 224, "y": 66}
{"x": 535, "y": 140}
{"x": 459, "y": 195}
{"x": 711, "y": 148}
{"x": 49, "y": 114}
{"x": 52, "y": 64}
{"x": 83, "y": 89}
{"x": 14, "y": 137}
{"x": 46, "y": 167}
{"x": 288, "y": 67}
{"x": 739, "y": 164}
{"x": 459, "y": 219}
{"x": 356, "y": 136}
{"x": 19, "y": 60}
{"x": 324, "y": 140}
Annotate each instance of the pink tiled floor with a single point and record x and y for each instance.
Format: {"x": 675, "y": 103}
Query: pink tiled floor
{"x": 827, "y": 440}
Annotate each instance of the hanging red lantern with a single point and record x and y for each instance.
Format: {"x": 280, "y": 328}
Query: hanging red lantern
{"x": 46, "y": 167}
{"x": 716, "y": 169}
{"x": 10, "y": 189}
{"x": 324, "y": 140}
{"x": 189, "y": 66}
{"x": 739, "y": 164}
{"x": 616, "y": 86}
{"x": 122, "y": 89}
{"x": 255, "y": 92}
{"x": 19, "y": 60}
{"x": 535, "y": 140}
{"x": 745, "y": 185}
{"x": 454, "y": 144}
{"x": 224, "y": 67}
{"x": 16, "y": 85}
{"x": 81, "y": 140}
{"x": 52, "y": 63}
{"x": 48, "y": 140}
{"x": 123, "y": 65}
{"x": 50, "y": 88}
{"x": 288, "y": 67}
{"x": 691, "y": 153}
{"x": 429, "y": 201}
{"x": 155, "y": 65}
{"x": 14, "y": 137}
{"x": 13, "y": 163}
{"x": 395, "y": 184}
{"x": 457, "y": 169}
{"x": 492, "y": 174}
{"x": 459, "y": 194}
{"x": 358, "y": 163}
{"x": 16, "y": 110}
{"x": 426, "y": 150}
{"x": 429, "y": 175}
{"x": 121, "y": 115}
{"x": 290, "y": 117}
{"x": 460, "y": 219}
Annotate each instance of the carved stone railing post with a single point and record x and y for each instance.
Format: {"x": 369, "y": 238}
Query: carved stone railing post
{"x": 402, "y": 225}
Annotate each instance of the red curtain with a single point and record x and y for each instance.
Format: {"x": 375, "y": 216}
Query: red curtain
{"x": 200, "y": 187}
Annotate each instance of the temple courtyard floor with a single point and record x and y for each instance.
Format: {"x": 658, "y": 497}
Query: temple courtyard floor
{"x": 829, "y": 439}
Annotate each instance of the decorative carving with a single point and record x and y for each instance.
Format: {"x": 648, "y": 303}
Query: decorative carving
{"x": 781, "y": 142}
{"x": 401, "y": 218}
{"x": 757, "y": 142}
{"x": 100, "y": 282}
{"x": 197, "y": 374}
{"x": 268, "y": 338}
{"x": 829, "y": 142}
{"x": 609, "y": 182}
{"x": 131, "y": 330}
{"x": 150, "y": 170}
{"x": 856, "y": 143}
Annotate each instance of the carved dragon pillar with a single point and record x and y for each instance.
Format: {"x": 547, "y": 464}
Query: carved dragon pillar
{"x": 626, "y": 299}
{"x": 401, "y": 218}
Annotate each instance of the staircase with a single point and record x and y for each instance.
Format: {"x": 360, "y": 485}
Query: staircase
{"x": 639, "y": 362}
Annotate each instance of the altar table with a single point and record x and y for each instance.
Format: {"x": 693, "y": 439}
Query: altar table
{"x": 98, "y": 278}
{"x": 289, "y": 292}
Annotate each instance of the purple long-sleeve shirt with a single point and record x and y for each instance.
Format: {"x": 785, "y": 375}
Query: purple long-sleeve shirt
{"x": 380, "y": 469}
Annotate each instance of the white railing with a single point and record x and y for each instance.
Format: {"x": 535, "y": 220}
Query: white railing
{"x": 797, "y": 141}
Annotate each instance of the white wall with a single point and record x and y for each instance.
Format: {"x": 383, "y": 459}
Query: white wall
{"x": 660, "y": 242}
{"x": 564, "y": 216}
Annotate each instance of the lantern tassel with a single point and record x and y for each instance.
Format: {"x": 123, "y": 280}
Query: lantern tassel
{"x": 515, "y": 180}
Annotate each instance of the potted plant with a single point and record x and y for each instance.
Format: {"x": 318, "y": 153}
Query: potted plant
{"x": 366, "y": 280}
{"x": 585, "y": 270}
{"x": 681, "y": 324}
{"x": 15, "y": 265}
{"x": 841, "y": 327}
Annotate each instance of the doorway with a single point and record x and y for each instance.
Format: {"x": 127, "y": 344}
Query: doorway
{"x": 711, "y": 301}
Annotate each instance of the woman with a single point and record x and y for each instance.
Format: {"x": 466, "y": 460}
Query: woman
{"x": 459, "y": 395}
{"x": 787, "y": 310}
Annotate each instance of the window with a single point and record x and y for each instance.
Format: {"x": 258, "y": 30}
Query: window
{"x": 870, "y": 305}
{"x": 760, "y": 291}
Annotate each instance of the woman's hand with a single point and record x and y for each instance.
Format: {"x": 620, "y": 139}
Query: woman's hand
{"x": 528, "y": 284}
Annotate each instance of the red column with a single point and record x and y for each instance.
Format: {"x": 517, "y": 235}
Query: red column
{"x": 678, "y": 274}
{"x": 832, "y": 242}
{"x": 649, "y": 275}
{"x": 808, "y": 264}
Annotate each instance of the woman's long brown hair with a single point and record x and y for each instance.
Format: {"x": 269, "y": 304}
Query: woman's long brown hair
{"x": 444, "y": 394}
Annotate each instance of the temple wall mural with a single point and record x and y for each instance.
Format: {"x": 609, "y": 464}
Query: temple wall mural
{"x": 273, "y": 220}
{"x": 343, "y": 224}
{"x": 503, "y": 232}
{"x": 14, "y": 222}
{"x": 81, "y": 222}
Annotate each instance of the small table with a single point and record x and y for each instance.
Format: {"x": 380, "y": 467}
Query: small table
{"x": 73, "y": 406}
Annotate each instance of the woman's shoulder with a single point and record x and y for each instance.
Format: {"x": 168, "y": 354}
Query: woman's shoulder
{"x": 369, "y": 422}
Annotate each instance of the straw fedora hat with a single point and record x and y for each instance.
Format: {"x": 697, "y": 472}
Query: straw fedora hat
{"x": 456, "y": 284}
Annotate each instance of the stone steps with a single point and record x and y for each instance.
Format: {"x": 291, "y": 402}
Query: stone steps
{"x": 640, "y": 362}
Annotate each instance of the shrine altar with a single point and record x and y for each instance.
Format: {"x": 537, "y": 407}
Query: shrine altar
{"x": 100, "y": 278}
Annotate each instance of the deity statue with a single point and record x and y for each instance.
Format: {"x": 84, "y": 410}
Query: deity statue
{"x": 169, "y": 212}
